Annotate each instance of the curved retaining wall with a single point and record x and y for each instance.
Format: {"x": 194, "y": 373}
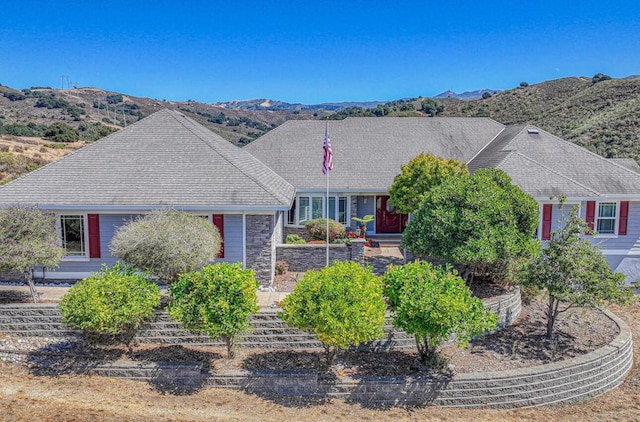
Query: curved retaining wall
{"x": 560, "y": 382}
{"x": 268, "y": 330}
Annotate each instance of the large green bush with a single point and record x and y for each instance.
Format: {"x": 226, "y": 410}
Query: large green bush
{"x": 167, "y": 243}
{"x": 317, "y": 229}
{"x": 113, "y": 302}
{"x": 483, "y": 222}
{"x": 216, "y": 300}
{"x": 433, "y": 303}
{"x": 341, "y": 305}
{"x": 420, "y": 175}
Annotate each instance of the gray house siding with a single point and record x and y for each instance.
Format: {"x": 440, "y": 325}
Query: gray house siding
{"x": 109, "y": 223}
{"x": 232, "y": 238}
{"x": 628, "y": 241}
{"x": 366, "y": 205}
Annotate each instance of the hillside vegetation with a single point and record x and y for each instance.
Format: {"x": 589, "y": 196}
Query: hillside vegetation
{"x": 599, "y": 113}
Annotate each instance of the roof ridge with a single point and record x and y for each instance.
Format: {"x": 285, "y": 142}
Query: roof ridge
{"x": 573, "y": 145}
{"x": 223, "y": 154}
{"x": 553, "y": 171}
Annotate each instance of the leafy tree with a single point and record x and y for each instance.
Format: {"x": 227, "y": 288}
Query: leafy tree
{"x": 524, "y": 84}
{"x": 420, "y": 175}
{"x": 431, "y": 107}
{"x": 61, "y": 132}
{"x": 28, "y": 238}
{"x": 341, "y": 304}
{"x": 433, "y": 303}
{"x": 574, "y": 272}
{"x": 167, "y": 243}
{"x": 599, "y": 77}
{"x": 216, "y": 300}
{"x": 113, "y": 302}
{"x": 486, "y": 95}
{"x": 482, "y": 222}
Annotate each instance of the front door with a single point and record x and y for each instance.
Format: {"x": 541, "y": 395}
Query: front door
{"x": 387, "y": 220}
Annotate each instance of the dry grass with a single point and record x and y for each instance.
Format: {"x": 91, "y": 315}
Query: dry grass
{"x": 24, "y": 396}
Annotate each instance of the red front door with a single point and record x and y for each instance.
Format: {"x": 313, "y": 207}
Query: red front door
{"x": 387, "y": 220}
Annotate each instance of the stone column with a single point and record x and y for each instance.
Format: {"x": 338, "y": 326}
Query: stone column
{"x": 357, "y": 250}
{"x": 260, "y": 257}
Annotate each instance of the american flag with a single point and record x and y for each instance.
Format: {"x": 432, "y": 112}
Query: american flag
{"x": 327, "y": 161}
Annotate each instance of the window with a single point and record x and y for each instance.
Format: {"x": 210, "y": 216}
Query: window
{"x": 606, "y": 218}
{"x": 303, "y": 209}
{"x": 72, "y": 233}
{"x": 310, "y": 207}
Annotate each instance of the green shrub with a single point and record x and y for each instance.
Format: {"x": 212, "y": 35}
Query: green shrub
{"x": 113, "y": 302}
{"x": 294, "y": 239}
{"x": 61, "y": 132}
{"x": 317, "y": 229}
{"x": 341, "y": 305}
{"x": 432, "y": 303}
{"x": 216, "y": 300}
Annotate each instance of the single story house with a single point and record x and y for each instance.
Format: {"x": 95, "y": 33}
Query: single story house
{"x": 163, "y": 161}
{"x": 256, "y": 194}
{"x": 368, "y": 153}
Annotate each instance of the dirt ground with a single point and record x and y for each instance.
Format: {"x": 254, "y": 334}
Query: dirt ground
{"x": 24, "y": 396}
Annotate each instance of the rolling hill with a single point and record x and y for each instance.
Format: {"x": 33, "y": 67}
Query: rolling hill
{"x": 600, "y": 114}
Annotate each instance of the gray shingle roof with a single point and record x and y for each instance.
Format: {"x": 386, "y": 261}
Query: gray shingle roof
{"x": 554, "y": 166}
{"x": 629, "y": 163}
{"x": 367, "y": 151}
{"x": 164, "y": 160}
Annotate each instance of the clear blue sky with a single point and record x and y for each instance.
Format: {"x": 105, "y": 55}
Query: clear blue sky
{"x": 312, "y": 52}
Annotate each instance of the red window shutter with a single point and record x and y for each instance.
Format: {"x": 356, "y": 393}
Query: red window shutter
{"x": 218, "y": 221}
{"x": 94, "y": 235}
{"x": 591, "y": 213}
{"x": 547, "y": 211}
{"x": 624, "y": 216}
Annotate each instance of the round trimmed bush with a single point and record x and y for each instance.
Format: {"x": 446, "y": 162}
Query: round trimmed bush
{"x": 113, "y": 302}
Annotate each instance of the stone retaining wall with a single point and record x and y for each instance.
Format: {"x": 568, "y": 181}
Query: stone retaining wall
{"x": 561, "y": 382}
{"x": 305, "y": 257}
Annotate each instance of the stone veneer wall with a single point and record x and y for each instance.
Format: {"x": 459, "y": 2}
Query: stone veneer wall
{"x": 260, "y": 233}
{"x": 300, "y": 258}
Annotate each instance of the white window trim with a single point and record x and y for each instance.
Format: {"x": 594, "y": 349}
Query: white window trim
{"x": 616, "y": 221}
{"x": 85, "y": 223}
{"x": 312, "y": 195}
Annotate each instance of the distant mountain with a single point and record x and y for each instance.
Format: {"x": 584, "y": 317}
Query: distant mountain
{"x": 265, "y": 104}
{"x": 467, "y": 95}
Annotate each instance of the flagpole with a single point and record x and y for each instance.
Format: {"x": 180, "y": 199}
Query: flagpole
{"x": 327, "y": 214}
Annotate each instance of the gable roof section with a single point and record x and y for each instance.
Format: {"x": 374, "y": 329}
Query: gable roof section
{"x": 164, "y": 160}
{"x": 547, "y": 153}
{"x": 367, "y": 151}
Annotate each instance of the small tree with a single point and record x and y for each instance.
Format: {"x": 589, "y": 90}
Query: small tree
{"x": 419, "y": 176}
{"x": 432, "y": 303}
{"x": 113, "y": 302}
{"x": 483, "y": 223}
{"x": 167, "y": 243}
{"x": 341, "y": 304}
{"x": 27, "y": 239}
{"x": 216, "y": 300}
{"x": 574, "y": 272}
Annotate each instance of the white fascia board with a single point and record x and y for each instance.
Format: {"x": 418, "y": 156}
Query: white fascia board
{"x": 141, "y": 208}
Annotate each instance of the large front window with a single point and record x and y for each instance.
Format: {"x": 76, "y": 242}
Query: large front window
{"x": 72, "y": 234}
{"x": 310, "y": 207}
{"x": 606, "y": 218}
